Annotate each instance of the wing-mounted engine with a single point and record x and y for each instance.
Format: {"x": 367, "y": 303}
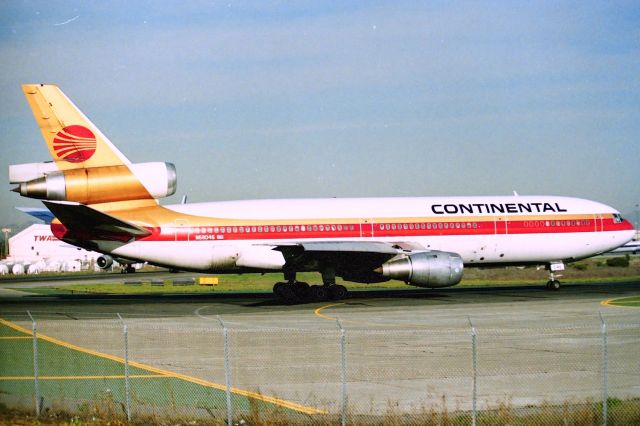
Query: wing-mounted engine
{"x": 104, "y": 262}
{"x": 95, "y": 184}
{"x": 425, "y": 269}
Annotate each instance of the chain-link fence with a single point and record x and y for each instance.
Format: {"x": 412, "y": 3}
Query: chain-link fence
{"x": 467, "y": 373}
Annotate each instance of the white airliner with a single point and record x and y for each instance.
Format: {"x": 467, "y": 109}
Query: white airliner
{"x": 103, "y": 202}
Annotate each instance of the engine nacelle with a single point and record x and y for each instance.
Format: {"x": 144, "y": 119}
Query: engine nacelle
{"x": 426, "y": 269}
{"x": 261, "y": 257}
{"x": 19, "y": 173}
{"x": 105, "y": 261}
{"x": 98, "y": 184}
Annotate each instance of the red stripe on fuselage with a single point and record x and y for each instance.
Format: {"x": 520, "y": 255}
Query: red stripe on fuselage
{"x": 546, "y": 225}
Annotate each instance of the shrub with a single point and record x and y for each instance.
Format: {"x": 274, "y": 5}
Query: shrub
{"x": 622, "y": 262}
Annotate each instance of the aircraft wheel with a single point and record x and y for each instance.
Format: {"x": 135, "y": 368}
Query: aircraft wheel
{"x": 277, "y": 289}
{"x": 289, "y": 295}
{"x": 301, "y": 290}
{"x": 553, "y": 285}
{"x": 337, "y": 292}
{"x": 318, "y": 292}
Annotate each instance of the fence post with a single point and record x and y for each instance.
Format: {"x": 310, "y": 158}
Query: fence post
{"x": 34, "y": 333}
{"x": 227, "y": 371}
{"x": 127, "y": 385}
{"x": 343, "y": 370}
{"x": 605, "y": 370}
{"x": 474, "y": 379}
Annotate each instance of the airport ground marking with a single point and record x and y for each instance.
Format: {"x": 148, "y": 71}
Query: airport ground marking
{"x": 165, "y": 373}
{"x": 612, "y": 302}
{"x": 318, "y": 313}
{"x": 326, "y": 317}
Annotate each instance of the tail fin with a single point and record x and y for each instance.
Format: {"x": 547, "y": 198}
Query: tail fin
{"x": 87, "y": 167}
{"x": 73, "y": 140}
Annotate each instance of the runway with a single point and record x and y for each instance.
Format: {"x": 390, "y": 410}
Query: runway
{"x": 411, "y": 349}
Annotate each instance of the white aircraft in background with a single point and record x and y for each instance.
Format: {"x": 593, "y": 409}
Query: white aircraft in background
{"x": 103, "y": 202}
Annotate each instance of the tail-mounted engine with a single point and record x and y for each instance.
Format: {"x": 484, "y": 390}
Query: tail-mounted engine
{"x": 96, "y": 184}
{"x": 426, "y": 269}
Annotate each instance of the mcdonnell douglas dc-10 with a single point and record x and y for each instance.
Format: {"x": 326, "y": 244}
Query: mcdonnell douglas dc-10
{"x": 103, "y": 202}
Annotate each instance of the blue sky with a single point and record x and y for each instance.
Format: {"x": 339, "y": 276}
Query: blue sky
{"x": 322, "y": 99}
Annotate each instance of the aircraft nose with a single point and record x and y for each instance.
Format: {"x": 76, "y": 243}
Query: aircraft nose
{"x": 630, "y": 224}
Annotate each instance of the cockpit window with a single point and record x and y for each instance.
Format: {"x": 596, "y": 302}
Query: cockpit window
{"x": 617, "y": 218}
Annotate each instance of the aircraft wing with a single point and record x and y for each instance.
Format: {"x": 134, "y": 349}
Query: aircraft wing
{"x": 82, "y": 219}
{"x": 353, "y": 260}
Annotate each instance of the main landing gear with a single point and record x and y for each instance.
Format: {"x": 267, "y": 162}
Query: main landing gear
{"x": 128, "y": 269}
{"x": 553, "y": 284}
{"x": 293, "y": 291}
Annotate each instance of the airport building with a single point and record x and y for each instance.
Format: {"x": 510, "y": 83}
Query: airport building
{"x": 36, "y": 250}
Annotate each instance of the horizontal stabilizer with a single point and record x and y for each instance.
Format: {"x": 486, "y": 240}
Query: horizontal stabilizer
{"x": 80, "y": 218}
{"x": 43, "y": 214}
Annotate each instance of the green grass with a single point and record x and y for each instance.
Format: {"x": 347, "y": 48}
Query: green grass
{"x": 256, "y": 283}
{"x": 70, "y": 374}
{"x": 586, "y": 271}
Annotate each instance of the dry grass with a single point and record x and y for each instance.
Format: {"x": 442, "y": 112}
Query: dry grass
{"x": 587, "y": 413}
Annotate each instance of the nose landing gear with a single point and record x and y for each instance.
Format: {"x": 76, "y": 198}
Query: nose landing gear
{"x": 554, "y": 267}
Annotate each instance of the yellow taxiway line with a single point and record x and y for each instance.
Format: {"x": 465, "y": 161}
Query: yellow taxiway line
{"x": 609, "y": 304}
{"x": 320, "y": 309}
{"x": 165, "y": 373}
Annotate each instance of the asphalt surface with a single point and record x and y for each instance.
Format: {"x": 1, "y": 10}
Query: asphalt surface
{"x": 408, "y": 350}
